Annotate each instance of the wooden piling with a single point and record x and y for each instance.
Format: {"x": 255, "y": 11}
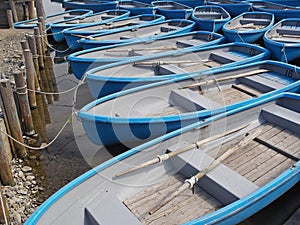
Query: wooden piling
{"x": 31, "y": 9}
{"x": 10, "y": 19}
{"x": 12, "y": 6}
{"x": 43, "y": 39}
{"x": 9, "y": 107}
{"x": 30, "y": 75}
{"x": 6, "y": 175}
{"x": 39, "y": 48}
{"x": 24, "y": 102}
{"x": 32, "y": 47}
{"x": 40, "y": 12}
{"x": 4, "y": 213}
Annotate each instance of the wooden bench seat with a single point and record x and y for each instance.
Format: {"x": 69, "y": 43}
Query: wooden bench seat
{"x": 260, "y": 83}
{"x": 224, "y": 57}
{"x": 282, "y": 117}
{"x": 99, "y": 211}
{"x": 191, "y": 100}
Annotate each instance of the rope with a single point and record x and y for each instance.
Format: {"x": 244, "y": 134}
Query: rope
{"x": 50, "y": 46}
{"x": 283, "y": 51}
{"x": 240, "y": 37}
{"x": 53, "y": 93}
{"x": 3, "y": 209}
{"x": 43, "y": 146}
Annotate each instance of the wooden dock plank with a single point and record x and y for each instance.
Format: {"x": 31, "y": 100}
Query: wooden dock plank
{"x": 260, "y": 158}
{"x": 284, "y": 165}
{"x": 185, "y": 207}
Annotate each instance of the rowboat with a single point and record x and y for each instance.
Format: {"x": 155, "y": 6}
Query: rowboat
{"x": 191, "y": 3}
{"x": 50, "y": 19}
{"x": 146, "y": 112}
{"x": 218, "y": 171}
{"x": 248, "y": 27}
{"x": 136, "y": 7}
{"x": 280, "y": 11}
{"x": 210, "y": 17}
{"x": 142, "y": 70}
{"x": 82, "y": 61}
{"x": 286, "y": 2}
{"x": 234, "y": 8}
{"x": 95, "y": 5}
{"x": 283, "y": 40}
{"x": 172, "y": 9}
{"x": 73, "y": 35}
{"x": 147, "y": 32}
{"x": 104, "y": 17}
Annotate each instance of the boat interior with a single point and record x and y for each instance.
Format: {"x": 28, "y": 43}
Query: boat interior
{"x": 260, "y": 149}
{"x": 289, "y": 32}
{"x": 250, "y": 22}
{"x": 209, "y": 13}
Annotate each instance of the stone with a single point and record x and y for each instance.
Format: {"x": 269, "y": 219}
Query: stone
{"x": 30, "y": 177}
{"x": 26, "y": 169}
{"x": 18, "y": 219}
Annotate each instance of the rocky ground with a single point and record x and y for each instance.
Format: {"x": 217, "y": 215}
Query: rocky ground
{"x": 22, "y": 199}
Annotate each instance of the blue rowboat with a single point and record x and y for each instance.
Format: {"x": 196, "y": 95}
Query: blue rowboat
{"x": 295, "y": 3}
{"x": 146, "y": 112}
{"x": 103, "y": 17}
{"x": 95, "y": 5}
{"x": 210, "y": 17}
{"x": 138, "y": 71}
{"x": 50, "y": 19}
{"x": 280, "y": 11}
{"x": 248, "y": 27}
{"x": 172, "y": 9}
{"x": 138, "y": 33}
{"x": 85, "y": 60}
{"x": 191, "y": 3}
{"x": 246, "y": 139}
{"x": 234, "y": 8}
{"x": 136, "y": 7}
{"x": 73, "y": 35}
{"x": 283, "y": 40}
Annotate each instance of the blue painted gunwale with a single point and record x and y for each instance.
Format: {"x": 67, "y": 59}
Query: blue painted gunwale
{"x": 73, "y": 41}
{"x": 95, "y": 5}
{"x": 23, "y": 25}
{"x": 234, "y": 8}
{"x": 295, "y": 3}
{"x": 232, "y": 213}
{"x": 137, "y": 7}
{"x": 58, "y": 27}
{"x": 280, "y": 11}
{"x": 189, "y": 25}
{"x": 249, "y": 36}
{"x": 110, "y": 84}
{"x": 277, "y": 49}
{"x": 210, "y": 24}
{"x": 81, "y": 65}
{"x": 140, "y": 126}
{"x": 173, "y": 9}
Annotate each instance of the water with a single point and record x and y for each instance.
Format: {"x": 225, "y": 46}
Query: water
{"x": 72, "y": 153}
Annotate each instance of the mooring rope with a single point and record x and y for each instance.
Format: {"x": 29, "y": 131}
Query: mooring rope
{"x": 43, "y": 146}
{"x": 82, "y": 81}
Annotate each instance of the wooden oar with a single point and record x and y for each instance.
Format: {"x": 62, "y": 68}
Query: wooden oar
{"x": 142, "y": 49}
{"x": 194, "y": 179}
{"x": 169, "y": 62}
{"x": 82, "y": 36}
{"x": 251, "y": 73}
{"x": 166, "y": 156}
